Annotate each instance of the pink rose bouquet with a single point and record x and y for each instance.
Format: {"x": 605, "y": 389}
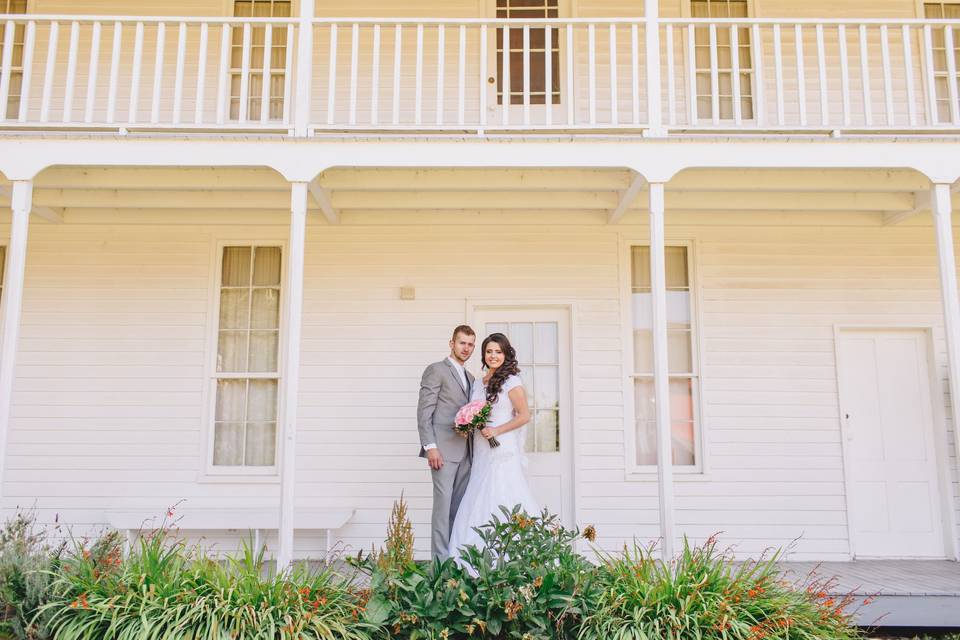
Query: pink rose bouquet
{"x": 473, "y": 416}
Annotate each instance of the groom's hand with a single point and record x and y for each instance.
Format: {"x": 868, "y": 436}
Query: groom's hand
{"x": 435, "y": 459}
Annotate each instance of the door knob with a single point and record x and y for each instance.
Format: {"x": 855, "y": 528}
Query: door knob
{"x": 491, "y": 80}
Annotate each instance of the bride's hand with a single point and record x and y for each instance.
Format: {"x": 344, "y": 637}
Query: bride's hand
{"x": 489, "y": 432}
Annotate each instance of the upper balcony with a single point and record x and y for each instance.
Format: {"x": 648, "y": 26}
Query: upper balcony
{"x": 624, "y": 76}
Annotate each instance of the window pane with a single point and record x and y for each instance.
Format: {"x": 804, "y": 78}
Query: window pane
{"x": 236, "y": 266}
{"x": 234, "y": 309}
{"x": 262, "y": 401}
{"x": 232, "y": 351}
{"x": 640, "y": 267}
{"x": 547, "y": 431}
{"x": 546, "y": 345}
{"x": 266, "y": 268}
{"x": 228, "y": 444}
{"x": 230, "y": 400}
{"x": 679, "y": 358}
{"x": 266, "y": 309}
{"x": 261, "y": 444}
{"x": 681, "y": 418}
{"x": 521, "y": 337}
{"x": 547, "y": 392}
{"x": 642, "y": 351}
{"x": 263, "y": 351}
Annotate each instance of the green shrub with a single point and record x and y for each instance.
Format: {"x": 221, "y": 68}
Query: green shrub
{"x": 27, "y": 566}
{"x": 704, "y": 595}
{"x": 165, "y": 590}
{"x": 526, "y": 582}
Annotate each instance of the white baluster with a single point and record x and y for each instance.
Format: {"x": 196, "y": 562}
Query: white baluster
{"x": 375, "y": 78}
{"x": 756, "y": 54}
{"x": 441, "y": 61}
{"x": 908, "y": 73}
{"x": 801, "y": 75}
{"x": 92, "y": 69}
{"x": 5, "y": 66}
{"x": 397, "y": 52}
{"x": 288, "y": 73}
{"x": 844, "y": 74}
{"x": 418, "y": 98}
{"x": 592, "y": 72}
{"x": 29, "y": 44}
{"x": 778, "y": 73}
{"x": 692, "y": 106}
{"x": 614, "y": 106}
{"x": 332, "y": 76}
{"x": 223, "y": 74}
{"x": 887, "y": 75}
{"x": 135, "y": 77}
{"x": 570, "y": 94}
{"x": 71, "y": 71}
{"x": 548, "y": 73}
{"x": 354, "y": 71}
{"x": 462, "y": 76}
{"x": 266, "y": 74}
{"x": 51, "y": 66}
{"x": 178, "y": 80}
{"x": 635, "y": 71}
{"x": 929, "y": 73}
{"x": 865, "y": 76}
{"x": 247, "y": 45}
{"x": 505, "y": 77}
{"x": 158, "y": 73}
{"x": 483, "y": 75}
{"x": 201, "y": 73}
{"x": 822, "y": 71}
{"x": 114, "y": 72}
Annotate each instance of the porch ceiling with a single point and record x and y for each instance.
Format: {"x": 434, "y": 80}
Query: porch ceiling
{"x": 892, "y": 195}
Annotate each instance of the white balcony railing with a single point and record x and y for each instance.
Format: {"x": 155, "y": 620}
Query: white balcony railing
{"x": 450, "y": 75}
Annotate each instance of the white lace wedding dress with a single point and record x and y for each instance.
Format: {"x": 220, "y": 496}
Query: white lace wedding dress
{"x": 497, "y": 476}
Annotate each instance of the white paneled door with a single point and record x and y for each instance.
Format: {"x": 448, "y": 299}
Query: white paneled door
{"x": 541, "y": 338}
{"x": 894, "y": 501}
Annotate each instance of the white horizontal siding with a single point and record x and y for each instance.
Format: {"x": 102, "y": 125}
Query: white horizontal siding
{"x": 110, "y": 378}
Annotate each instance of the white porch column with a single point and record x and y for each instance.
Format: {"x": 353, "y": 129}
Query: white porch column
{"x": 942, "y": 214}
{"x": 661, "y": 371}
{"x": 290, "y": 373}
{"x": 651, "y": 11}
{"x": 21, "y": 203}
{"x": 304, "y": 77}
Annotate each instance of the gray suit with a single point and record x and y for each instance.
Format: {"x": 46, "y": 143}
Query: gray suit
{"x": 441, "y": 396}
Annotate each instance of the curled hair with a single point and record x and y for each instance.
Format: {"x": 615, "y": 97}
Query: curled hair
{"x": 510, "y": 366}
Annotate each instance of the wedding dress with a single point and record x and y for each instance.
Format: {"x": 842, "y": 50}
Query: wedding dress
{"x": 497, "y": 475}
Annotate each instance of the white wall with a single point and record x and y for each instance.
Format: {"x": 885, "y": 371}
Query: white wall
{"x": 109, "y": 391}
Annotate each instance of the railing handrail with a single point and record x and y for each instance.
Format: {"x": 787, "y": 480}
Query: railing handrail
{"x": 811, "y": 21}
{"x": 47, "y": 17}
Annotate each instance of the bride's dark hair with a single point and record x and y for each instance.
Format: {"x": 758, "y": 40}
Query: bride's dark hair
{"x": 510, "y": 366}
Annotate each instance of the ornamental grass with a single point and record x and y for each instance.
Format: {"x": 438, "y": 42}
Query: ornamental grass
{"x": 165, "y": 590}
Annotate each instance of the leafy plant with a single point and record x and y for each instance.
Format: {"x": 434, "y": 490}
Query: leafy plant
{"x": 27, "y": 563}
{"x": 166, "y": 590}
{"x": 704, "y": 595}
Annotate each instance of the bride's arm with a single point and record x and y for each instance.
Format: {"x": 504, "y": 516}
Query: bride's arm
{"x": 521, "y": 414}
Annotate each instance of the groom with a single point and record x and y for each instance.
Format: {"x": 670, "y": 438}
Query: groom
{"x": 444, "y": 388}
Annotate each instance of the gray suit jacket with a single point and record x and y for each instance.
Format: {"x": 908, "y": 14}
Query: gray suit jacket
{"x": 441, "y": 396}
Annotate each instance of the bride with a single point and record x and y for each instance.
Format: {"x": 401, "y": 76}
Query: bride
{"x": 497, "y": 475}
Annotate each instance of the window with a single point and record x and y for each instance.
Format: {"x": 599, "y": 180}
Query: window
{"x": 538, "y": 354}
{"x": 722, "y": 9}
{"x": 247, "y": 372}
{"x": 277, "y": 53}
{"x": 682, "y": 361}
{"x": 538, "y": 42}
{"x": 941, "y": 73}
{"x": 16, "y": 68}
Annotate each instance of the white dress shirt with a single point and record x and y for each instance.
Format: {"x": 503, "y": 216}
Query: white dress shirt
{"x": 463, "y": 380}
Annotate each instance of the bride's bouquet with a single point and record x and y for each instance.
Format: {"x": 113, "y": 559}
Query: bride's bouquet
{"x": 473, "y": 416}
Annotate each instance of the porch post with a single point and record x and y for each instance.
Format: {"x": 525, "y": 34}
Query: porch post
{"x": 21, "y": 203}
{"x": 304, "y": 77}
{"x": 651, "y": 12}
{"x": 290, "y": 371}
{"x": 942, "y": 214}
{"x": 661, "y": 371}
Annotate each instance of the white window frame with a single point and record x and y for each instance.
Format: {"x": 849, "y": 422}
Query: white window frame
{"x": 14, "y": 70}
{"x": 686, "y": 12}
{"x": 636, "y": 471}
{"x": 235, "y": 72}
{"x": 934, "y": 109}
{"x": 220, "y": 473}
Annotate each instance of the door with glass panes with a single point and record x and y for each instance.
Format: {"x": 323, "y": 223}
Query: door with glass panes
{"x": 541, "y": 338}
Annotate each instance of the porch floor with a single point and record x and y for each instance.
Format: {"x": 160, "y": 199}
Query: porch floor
{"x": 906, "y": 593}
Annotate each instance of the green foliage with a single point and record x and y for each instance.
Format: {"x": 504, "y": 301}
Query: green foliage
{"x": 27, "y": 563}
{"x": 165, "y": 590}
{"x": 525, "y": 582}
{"x": 704, "y": 595}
